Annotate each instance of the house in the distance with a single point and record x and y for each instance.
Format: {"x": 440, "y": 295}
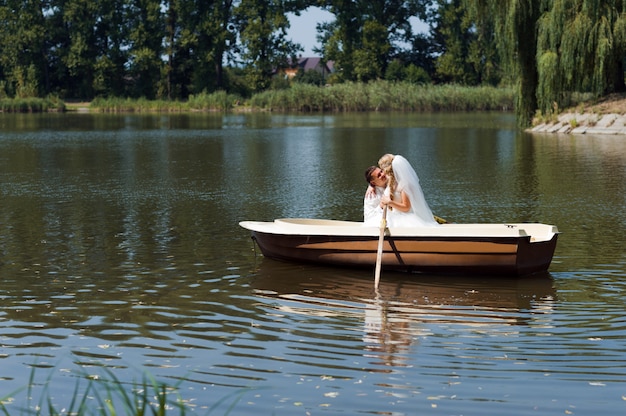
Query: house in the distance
{"x": 309, "y": 64}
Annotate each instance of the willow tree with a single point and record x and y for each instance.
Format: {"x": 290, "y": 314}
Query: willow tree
{"x": 556, "y": 47}
{"x": 581, "y": 48}
{"x": 515, "y": 23}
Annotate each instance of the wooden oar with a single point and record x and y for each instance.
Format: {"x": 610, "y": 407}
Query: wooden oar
{"x": 379, "y": 254}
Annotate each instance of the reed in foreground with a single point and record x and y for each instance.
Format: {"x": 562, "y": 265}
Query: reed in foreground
{"x": 106, "y": 395}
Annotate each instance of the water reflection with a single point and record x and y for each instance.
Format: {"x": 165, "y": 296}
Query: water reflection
{"x": 120, "y": 248}
{"x": 406, "y": 307}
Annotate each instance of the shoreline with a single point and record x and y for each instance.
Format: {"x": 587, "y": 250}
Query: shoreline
{"x": 567, "y": 123}
{"x": 584, "y": 123}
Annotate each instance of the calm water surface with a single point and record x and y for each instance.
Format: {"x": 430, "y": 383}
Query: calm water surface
{"x": 121, "y": 259}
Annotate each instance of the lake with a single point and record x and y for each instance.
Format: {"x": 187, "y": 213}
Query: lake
{"x": 122, "y": 264}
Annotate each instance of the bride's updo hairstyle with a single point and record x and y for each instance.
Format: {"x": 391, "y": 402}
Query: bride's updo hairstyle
{"x": 385, "y": 164}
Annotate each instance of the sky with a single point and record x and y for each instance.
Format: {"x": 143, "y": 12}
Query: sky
{"x": 302, "y": 28}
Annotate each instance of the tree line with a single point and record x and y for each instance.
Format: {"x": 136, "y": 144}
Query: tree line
{"x": 173, "y": 49}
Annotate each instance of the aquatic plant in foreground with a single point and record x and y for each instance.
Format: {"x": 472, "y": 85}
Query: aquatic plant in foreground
{"x": 107, "y": 395}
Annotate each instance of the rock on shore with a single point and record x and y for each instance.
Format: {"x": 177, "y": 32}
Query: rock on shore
{"x": 585, "y": 123}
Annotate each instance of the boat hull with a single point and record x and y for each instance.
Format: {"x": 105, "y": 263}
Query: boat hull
{"x": 501, "y": 252}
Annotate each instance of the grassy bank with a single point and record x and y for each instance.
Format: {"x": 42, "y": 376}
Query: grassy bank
{"x": 384, "y": 96}
{"x": 217, "y": 101}
{"x": 374, "y": 96}
{"x": 30, "y": 105}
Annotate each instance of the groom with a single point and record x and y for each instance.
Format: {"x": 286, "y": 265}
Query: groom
{"x": 372, "y": 212}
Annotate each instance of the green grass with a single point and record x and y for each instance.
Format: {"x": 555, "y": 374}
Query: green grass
{"x": 106, "y": 395}
{"x": 346, "y": 97}
{"x": 30, "y": 105}
{"x": 384, "y": 96}
{"x": 217, "y": 101}
{"x": 95, "y": 395}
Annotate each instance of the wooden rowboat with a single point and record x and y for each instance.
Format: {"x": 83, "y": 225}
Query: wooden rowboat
{"x": 503, "y": 249}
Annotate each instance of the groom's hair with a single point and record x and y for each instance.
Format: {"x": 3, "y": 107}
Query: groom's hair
{"x": 368, "y": 173}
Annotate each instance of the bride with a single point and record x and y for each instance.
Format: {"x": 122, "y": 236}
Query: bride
{"x": 404, "y": 198}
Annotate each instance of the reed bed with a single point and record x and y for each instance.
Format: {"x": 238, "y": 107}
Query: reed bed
{"x": 217, "y": 101}
{"x": 30, "y": 105}
{"x": 129, "y": 105}
{"x": 384, "y": 96}
{"x": 300, "y": 97}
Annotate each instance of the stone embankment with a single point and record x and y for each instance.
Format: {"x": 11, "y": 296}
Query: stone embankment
{"x": 585, "y": 123}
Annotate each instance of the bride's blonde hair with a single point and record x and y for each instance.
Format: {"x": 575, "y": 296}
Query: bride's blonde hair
{"x": 385, "y": 164}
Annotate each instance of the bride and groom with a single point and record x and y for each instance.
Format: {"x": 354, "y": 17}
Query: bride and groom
{"x": 394, "y": 183}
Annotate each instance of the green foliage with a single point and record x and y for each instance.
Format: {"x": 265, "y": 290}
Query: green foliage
{"x": 310, "y": 77}
{"x": 145, "y": 33}
{"x": 584, "y": 42}
{"x": 362, "y": 39}
{"x": 557, "y": 48}
{"x": 172, "y": 50}
{"x": 103, "y": 395}
{"x": 396, "y": 71}
{"x": 457, "y": 36}
{"x": 416, "y": 75}
{"x": 549, "y": 80}
{"x": 215, "y": 101}
{"x": 514, "y": 22}
{"x": 120, "y": 105}
{"x": 165, "y": 54}
{"x": 262, "y": 30}
{"x": 31, "y": 105}
{"x": 371, "y": 59}
{"x": 384, "y": 96}
{"x": 26, "y": 82}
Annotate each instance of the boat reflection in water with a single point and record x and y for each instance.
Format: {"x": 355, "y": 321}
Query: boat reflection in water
{"x": 407, "y": 309}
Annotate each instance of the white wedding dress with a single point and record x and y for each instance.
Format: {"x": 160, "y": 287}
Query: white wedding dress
{"x": 420, "y": 214}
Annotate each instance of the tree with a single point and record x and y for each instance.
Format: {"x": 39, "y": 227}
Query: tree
{"x": 22, "y": 36}
{"x": 466, "y": 54}
{"x": 453, "y": 35}
{"x": 200, "y": 35}
{"x": 557, "y": 47}
{"x": 515, "y": 25}
{"x": 146, "y": 34}
{"x": 420, "y": 54}
{"x": 111, "y": 34}
{"x": 263, "y": 33}
{"x": 581, "y": 48}
{"x": 87, "y": 45}
{"x": 79, "y": 53}
{"x": 370, "y": 61}
{"x": 309, "y": 77}
{"x": 366, "y": 35}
